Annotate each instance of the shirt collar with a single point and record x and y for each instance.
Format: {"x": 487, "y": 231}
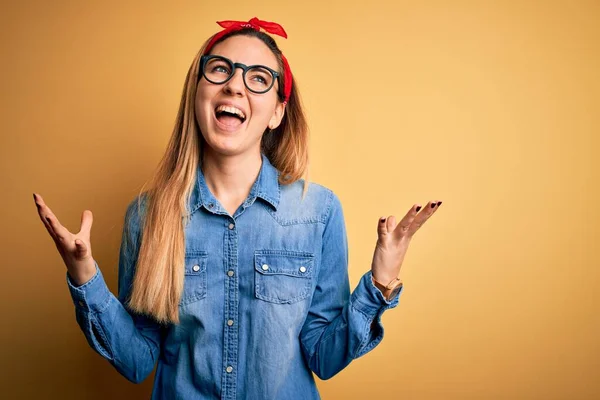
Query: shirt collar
{"x": 266, "y": 187}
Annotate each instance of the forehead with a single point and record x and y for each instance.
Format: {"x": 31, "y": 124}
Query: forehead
{"x": 246, "y": 50}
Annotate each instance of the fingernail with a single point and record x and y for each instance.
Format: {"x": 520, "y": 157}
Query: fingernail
{"x": 418, "y": 208}
{"x": 432, "y": 205}
{"x": 382, "y": 219}
{"x": 439, "y": 204}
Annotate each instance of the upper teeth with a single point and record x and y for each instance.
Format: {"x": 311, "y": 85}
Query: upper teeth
{"x": 231, "y": 110}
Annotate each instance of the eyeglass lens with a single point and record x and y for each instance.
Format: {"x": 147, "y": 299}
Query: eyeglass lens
{"x": 257, "y": 79}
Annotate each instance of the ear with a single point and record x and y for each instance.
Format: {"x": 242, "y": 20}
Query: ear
{"x": 278, "y": 114}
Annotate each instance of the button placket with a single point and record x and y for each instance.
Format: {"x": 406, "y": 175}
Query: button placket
{"x": 230, "y": 350}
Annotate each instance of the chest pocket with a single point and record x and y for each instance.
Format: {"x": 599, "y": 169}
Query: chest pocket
{"x": 194, "y": 283}
{"x": 282, "y": 276}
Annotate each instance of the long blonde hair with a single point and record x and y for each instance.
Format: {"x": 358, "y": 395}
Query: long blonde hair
{"x": 159, "y": 270}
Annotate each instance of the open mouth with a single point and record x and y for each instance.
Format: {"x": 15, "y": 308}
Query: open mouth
{"x": 229, "y": 117}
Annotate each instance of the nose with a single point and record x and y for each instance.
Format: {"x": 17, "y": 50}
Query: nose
{"x": 235, "y": 85}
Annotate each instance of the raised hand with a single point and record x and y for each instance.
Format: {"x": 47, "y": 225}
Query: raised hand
{"x": 75, "y": 249}
{"x": 393, "y": 240}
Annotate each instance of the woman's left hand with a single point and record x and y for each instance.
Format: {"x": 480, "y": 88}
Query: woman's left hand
{"x": 393, "y": 240}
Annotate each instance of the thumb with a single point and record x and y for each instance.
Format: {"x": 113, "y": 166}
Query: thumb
{"x": 87, "y": 218}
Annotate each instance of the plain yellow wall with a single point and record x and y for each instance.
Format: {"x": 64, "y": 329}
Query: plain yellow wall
{"x": 492, "y": 107}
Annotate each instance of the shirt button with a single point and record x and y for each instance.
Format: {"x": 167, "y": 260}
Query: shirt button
{"x": 229, "y": 369}
{"x": 196, "y": 268}
{"x": 81, "y": 303}
{"x": 265, "y": 267}
{"x": 230, "y": 322}
{"x": 231, "y": 226}
{"x": 230, "y": 273}
{"x": 303, "y": 269}
{"x": 211, "y": 205}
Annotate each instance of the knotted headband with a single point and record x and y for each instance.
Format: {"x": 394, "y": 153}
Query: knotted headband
{"x": 256, "y": 24}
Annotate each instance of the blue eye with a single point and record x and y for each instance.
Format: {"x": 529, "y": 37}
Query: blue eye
{"x": 259, "y": 76}
{"x": 220, "y": 68}
{"x": 259, "y": 79}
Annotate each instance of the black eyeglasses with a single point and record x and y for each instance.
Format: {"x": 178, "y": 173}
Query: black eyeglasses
{"x": 218, "y": 70}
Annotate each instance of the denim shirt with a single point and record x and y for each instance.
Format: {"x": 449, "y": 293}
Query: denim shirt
{"x": 266, "y": 300}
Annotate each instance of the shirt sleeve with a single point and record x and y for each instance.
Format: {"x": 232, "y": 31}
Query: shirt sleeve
{"x": 129, "y": 341}
{"x": 340, "y": 325}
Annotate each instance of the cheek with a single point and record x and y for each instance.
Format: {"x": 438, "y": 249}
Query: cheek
{"x": 201, "y": 107}
{"x": 262, "y": 110}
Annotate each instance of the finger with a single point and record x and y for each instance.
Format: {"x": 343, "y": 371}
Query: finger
{"x": 39, "y": 204}
{"x": 60, "y": 233}
{"x": 87, "y": 218}
{"x": 404, "y": 224}
{"x": 382, "y": 226}
{"x": 391, "y": 223}
{"x": 423, "y": 216}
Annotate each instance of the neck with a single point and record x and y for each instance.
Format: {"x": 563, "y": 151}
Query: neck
{"x": 230, "y": 177}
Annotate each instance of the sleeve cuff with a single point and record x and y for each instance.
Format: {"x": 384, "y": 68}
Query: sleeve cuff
{"x": 92, "y": 295}
{"x": 368, "y": 299}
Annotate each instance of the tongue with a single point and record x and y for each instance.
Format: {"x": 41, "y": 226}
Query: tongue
{"x": 229, "y": 120}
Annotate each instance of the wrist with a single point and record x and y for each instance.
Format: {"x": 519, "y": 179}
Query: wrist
{"x": 83, "y": 275}
{"x": 382, "y": 288}
{"x": 388, "y": 290}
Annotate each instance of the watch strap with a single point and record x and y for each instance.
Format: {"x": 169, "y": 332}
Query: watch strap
{"x": 391, "y": 289}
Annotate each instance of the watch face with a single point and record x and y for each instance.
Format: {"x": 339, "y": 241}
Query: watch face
{"x": 395, "y": 291}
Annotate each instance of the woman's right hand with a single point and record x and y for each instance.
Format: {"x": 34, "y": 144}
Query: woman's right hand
{"x": 75, "y": 249}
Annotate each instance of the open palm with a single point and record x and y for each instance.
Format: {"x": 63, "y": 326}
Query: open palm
{"x": 75, "y": 249}
{"x": 393, "y": 240}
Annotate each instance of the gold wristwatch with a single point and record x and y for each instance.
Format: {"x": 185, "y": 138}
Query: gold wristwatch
{"x": 391, "y": 289}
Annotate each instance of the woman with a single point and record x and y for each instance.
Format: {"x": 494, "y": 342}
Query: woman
{"x": 233, "y": 270}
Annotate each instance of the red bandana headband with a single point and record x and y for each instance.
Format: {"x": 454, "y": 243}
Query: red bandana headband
{"x": 256, "y": 24}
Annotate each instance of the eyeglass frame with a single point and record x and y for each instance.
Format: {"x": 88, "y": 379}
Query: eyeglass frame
{"x": 203, "y": 60}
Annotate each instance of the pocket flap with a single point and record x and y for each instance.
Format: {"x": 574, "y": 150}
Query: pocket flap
{"x": 195, "y": 262}
{"x": 284, "y": 262}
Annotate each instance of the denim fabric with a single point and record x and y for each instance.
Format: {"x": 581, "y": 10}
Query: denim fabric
{"x": 266, "y": 300}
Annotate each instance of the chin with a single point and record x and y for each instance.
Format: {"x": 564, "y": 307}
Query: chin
{"x": 225, "y": 144}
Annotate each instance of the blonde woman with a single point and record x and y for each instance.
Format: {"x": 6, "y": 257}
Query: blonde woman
{"x": 233, "y": 269}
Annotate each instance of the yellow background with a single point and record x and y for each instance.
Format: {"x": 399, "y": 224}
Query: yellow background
{"x": 492, "y": 107}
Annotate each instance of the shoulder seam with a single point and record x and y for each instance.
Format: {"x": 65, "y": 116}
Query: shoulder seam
{"x": 329, "y": 204}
